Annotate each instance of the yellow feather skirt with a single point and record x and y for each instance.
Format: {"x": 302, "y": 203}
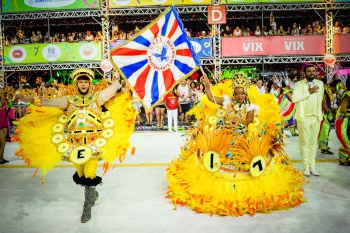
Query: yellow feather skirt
{"x": 234, "y": 192}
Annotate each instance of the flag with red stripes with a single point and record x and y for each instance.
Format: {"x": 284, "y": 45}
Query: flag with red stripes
{"x": 157, "y": 58}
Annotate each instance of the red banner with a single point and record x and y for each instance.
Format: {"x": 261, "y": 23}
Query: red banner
{"x": 273, "y": 45}
{"x": 341, "y": 43}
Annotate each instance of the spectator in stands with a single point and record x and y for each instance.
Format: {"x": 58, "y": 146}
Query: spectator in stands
{"x": 227, "y": 31}
{"x": 131, "y": 34}
{"x": 323, "y": 28}
{"x": 257, "y": 31}
{"x": 99, "y": 36}
{"x": 202, "y": 35}
{"x": 122, "y": 35}
{"x": 273, "y": 21}
{"x": 7, "y": 41}
{"x": 89, "y": 37}
{"x": 295, "y": 30}
{"x": 115, "y": 36}
{"x": 71, "y": 37}
{"x": 317, "y": 28}
{"x": 14, "y": 40}
{"x": 40, "y": 37}
{"x": 287, "y": 31}
{"x": 237, "y": 32}
{"x": 265, "y": 32}
{"x": 281, "y": 31}
{"x": 47, "y": 38}
{"x": 336, "y": 28}
{"x": 63, "y": 38}
{"x": 345, "y": 29}
{"x": 308, "y": 30}
{"x": 34, "y": 38}
{"x": 272, "y": 31}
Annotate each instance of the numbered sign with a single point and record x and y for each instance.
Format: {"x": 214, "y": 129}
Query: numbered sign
{"x": 80, "y": 154}
{"x": 257, "y": 166}
{"x": 211, "y": 161}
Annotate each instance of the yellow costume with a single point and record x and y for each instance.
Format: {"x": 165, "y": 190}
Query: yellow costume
{"x": 226, "y": 168}
{"x": 93, "y": 134}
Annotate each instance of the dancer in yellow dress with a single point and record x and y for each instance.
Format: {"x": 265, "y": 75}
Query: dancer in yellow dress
{"x": 94, "y": 133}
{"x": 233, "y": 162}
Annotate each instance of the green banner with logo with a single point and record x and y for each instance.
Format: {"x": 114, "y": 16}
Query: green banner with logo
{"x": 145, "y": 3}
{"x": 13, "y": 6}
{"x": 52, "y": 52}
{"x": 266, "y": 1}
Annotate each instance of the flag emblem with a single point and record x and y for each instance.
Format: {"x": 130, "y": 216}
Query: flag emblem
{"x": 157, "y": 58}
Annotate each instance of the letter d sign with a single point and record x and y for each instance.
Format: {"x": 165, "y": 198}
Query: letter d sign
{"x": 216, "y": 14}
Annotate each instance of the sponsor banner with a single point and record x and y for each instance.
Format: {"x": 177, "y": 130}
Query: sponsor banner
{"x": 13, "y": 6}
{"x": 203, "y": 47}
{"x": 273, "y": 45}
{"x": 341, "y": 43}
{"x": 269, "y": 1}
{"x": 53, "y": 52}
{"x": 140, "y": 3}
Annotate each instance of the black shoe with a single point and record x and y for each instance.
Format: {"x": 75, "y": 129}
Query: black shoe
{"x": 6, "y": 161}
{"x": 328, "y": 152}
{"x": 2, "y": 162}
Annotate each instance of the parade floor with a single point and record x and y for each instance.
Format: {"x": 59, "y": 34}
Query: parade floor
{"x": 132, "y": 197}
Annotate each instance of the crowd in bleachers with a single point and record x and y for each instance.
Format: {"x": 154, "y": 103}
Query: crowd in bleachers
{"x": 274, "y": 29}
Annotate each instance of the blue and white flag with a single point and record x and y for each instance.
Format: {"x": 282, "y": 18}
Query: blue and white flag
{"x": 157, "y": 58}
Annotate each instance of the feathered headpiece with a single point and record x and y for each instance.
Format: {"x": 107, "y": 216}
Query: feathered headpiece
{"x": 240, "y": 80}
{"x": 82, "y": 72}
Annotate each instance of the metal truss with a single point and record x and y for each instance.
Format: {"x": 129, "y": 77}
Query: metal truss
{"x": 52, "y": 66}
{"x": 269, "y": 60}
{"x": 74, "y": 14}
{"x": 339, "y": 6}
{"x": 329, "y": 40}
{"x": 207, "y": 61}
{"x": 294, "y": 6}
{"x": 241, "y": 60}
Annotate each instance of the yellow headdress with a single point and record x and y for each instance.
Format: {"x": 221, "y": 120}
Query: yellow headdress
{"x": 240, "y": 80}
{"x": 86, "y": 72}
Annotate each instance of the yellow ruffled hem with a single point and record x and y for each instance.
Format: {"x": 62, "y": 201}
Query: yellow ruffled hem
{"x": 233, "y": 194}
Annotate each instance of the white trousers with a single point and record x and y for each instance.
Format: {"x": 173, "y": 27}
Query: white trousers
{"x": 308, "y": 130}
{"x": 172, "y": 115}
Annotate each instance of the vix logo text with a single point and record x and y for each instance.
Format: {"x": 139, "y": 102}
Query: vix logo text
{"x": 294, "y": 45}
{"x": 252, "y": 46}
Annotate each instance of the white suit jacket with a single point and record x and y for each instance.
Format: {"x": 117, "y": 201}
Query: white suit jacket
{"x": 301, "y": 94}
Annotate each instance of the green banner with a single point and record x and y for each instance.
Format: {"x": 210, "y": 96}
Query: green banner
{"x": 145, "y": 3}
{"x": 13, "y": 6}
{"x": 266, "y": 1}
{"x": 52, "y": 52}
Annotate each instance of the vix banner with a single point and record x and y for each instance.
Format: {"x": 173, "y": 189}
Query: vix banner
{"x": 341, "y": 43}
{"x": 273, "y": 45}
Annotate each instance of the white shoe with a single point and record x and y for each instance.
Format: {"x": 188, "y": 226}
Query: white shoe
{"x": 170, "y": 131}
{"x": 313, "y": 171}
{"x": 307, "y": 172}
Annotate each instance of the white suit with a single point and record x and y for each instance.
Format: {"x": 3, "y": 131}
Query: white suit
{"x": 309, "y": 116}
